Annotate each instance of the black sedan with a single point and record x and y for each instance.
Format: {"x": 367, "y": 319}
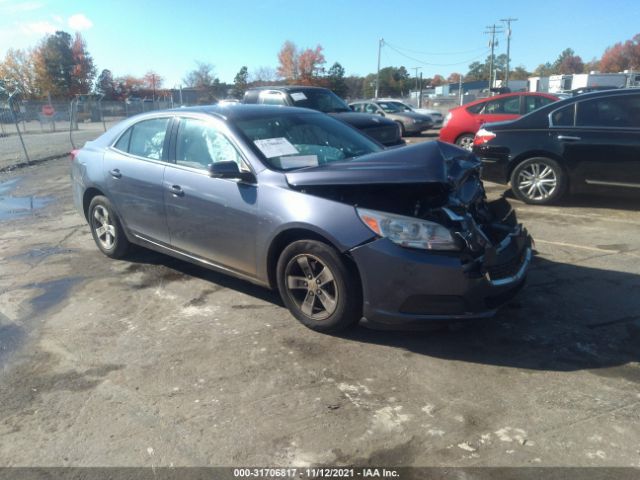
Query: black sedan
{"x": 588, "y": 141}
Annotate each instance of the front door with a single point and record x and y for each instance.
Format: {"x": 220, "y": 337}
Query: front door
{"x": 212, "y": 218}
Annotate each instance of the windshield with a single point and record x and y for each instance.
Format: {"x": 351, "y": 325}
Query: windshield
{"x": 390, "y": 107}
{"x": 322, "y": 100}
{"x": 296, "y": 140}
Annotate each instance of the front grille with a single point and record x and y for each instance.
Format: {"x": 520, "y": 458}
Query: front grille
{"x": 385, "y": 135}
{"x": 507, "y": 269}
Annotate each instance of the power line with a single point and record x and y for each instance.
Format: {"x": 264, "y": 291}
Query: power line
{"x": 434, "y": 53}
{"x": 436, "y": 64}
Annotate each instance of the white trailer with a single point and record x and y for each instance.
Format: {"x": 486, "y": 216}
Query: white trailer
{"x": 585, "y": 80}
{"x": 538, "y": 84}
{"x": 560, "y": 83}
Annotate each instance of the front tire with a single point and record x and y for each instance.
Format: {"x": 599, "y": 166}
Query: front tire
{"x": 538, "y": 181}
{"x": 403, "y": 131}
{"x": 106, "y": 228}
{"x": 317, "y": 286}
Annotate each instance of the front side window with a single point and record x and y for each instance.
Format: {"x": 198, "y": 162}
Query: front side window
{"x": 390, "y": 107}
{"x": 609, "y": 112}
{"x": 146, "y": 138}
{"x": 291, "y": 141}
{"x": 199, "y": 145}
{"x": 371, "y": 108}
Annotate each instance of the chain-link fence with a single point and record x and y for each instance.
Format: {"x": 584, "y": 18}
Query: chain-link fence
{"x": 32, "y": 131}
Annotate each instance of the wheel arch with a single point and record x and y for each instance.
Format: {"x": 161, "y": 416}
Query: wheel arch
{"x": 288, "y": 236}
{"x": 89, "y": 194}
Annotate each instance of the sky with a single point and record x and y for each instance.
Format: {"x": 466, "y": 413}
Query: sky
{"x": 135, "y": 36}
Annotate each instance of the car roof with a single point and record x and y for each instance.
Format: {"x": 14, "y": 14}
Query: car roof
{"x": 507, "y": 95}
{"x": 241, "y": 111}
{"x": 287, "y": 88}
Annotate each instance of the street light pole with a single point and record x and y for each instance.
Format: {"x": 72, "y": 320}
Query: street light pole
{"x": 380, "y": 44}
{"x": 508, "y": 22}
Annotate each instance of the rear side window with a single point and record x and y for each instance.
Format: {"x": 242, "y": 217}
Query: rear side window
{"x": 145, "y": 139}
{"x": 532, "y": 103}
{"x": 563, "y": 117}
{"x": 476, "y": 108}
{"x": 609, "y": 112}
{"x": 508, "y": 106}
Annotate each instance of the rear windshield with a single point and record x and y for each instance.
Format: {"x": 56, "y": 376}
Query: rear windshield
{"x": 297, "y": 140}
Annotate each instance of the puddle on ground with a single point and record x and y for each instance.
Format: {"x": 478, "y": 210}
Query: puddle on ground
{"x": 14, "y": 207}
{"x": 53, "y": 292}
{"x": 37, "y": 254}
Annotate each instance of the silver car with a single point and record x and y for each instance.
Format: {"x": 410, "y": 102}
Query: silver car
{"x": 410, "y": 123}
{"x": 294, "y": 199}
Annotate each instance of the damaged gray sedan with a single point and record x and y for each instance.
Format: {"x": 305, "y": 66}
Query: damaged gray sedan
{"x": 293, "y": 199}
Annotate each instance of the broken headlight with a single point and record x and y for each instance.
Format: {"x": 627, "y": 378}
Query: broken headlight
{"x": 407, "y": 231}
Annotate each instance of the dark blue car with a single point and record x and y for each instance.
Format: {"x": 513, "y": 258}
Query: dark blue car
{"x": 293, "y": 199}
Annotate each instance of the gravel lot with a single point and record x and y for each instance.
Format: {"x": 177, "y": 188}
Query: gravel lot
{"x": 152, "y": 361}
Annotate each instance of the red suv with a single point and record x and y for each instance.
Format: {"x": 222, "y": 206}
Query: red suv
{"x": 461, "y": 123}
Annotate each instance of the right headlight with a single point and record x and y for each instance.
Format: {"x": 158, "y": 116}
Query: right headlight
{"x": 407, "y": 231}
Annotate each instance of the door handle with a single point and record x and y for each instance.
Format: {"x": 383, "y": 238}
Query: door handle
{"x": 176, "y": 190}
{"x": 568, "y": 138}
{"x": 115, "y": 173}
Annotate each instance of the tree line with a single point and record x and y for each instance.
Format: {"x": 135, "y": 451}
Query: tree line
{"x": 61, "y": 66}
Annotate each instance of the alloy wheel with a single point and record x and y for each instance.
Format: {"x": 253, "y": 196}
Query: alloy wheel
{"x": 466, "y": 142}
{"x": 104, "y": 227}
{"x": 537, "y": 181}
{"x": 312, "y": 286}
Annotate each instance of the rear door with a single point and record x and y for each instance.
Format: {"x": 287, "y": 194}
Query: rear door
{"x": 134, "y": 168}
{"x": 500, "y": 109}
{"x": 213, "y": 218}
{"x": 604, "y": 144}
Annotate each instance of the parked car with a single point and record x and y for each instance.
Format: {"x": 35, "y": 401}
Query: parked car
{"x": 410, "y": 123}
{"x": 296, "y": 200}
{"x": 324, "y": 100}
{"x": 588, "y": 141}
{"x": 462, "y": 123}
{"x": 436, "y": 115}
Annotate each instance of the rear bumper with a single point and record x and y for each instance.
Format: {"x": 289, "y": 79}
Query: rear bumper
{"x": 495, "y": 164}
{"x": 403, "y": 286}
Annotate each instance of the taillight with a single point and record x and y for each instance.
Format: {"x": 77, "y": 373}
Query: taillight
{"x": 73, "y": 154}
{"x": 483, "y": 136}
{"x": 446, "y": 119}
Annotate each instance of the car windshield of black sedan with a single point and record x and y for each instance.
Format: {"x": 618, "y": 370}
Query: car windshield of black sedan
{"x": 291, "y": 141}
{"x": 322, "y": 100}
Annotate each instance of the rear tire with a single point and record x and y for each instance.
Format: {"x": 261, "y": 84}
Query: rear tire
{"x": 317, "y": 286}
{"x": 539, "y": 181}
{"x": 465, "y": 141}
{"x": 106, "y": 228}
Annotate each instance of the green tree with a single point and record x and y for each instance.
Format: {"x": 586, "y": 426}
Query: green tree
{"x": 54, "y": 64}
{"x": 240, "y": 82}
{"x": 544, "y": 70}
{"x": 336, "y": 80}
{"x": 519, "y": 73}
{"x": 568, "y": 62}
{"x": 106, "y": 85}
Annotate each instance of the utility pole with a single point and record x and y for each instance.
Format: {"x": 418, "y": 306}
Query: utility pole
{"x": 416, "y": 69}
{"x": 420, "y": 92}
{"x": 508, "y": 22}
{"x": 493, "y": 29}
{"x": 380, "y": 44}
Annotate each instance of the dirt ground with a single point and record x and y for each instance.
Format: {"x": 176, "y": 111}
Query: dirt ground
{"x": 153, "y": 361}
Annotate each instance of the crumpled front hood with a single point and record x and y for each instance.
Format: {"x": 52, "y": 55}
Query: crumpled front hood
{"x": 430, "y": 162}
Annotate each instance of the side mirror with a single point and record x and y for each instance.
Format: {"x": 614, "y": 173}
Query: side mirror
{"x": 228, "y": 169}
{"x": 381, "y": 114}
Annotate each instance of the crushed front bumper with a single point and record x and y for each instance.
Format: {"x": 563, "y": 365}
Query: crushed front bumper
{"x": 403, "y": 285}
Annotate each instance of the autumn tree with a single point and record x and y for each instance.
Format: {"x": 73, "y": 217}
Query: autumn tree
{"x": 568, "y": 62}
{"x": 288, "y": 61}
{"x": 17, "y": 71}
{"x": 454, "y": 77}
{"x": 438, "y": 80}
{"x": 622, "y": 56}
{"x": 240, "y": 82}
{"x": 263, "y": 75}
{"x": 519, "y": 73}
{"x": 128, "y": 86}
{"x": 84, "y": 71}
{"x": 310, "y": 65}
{"x": 544, "y": 70}
{"x": 336, "y": 81}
